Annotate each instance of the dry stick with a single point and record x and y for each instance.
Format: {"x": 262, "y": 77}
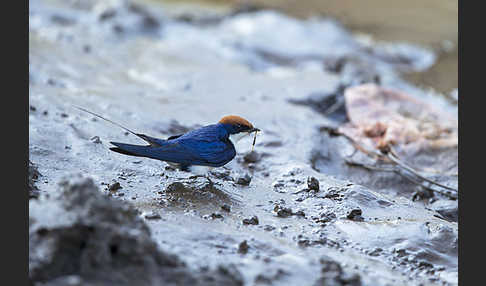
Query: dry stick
{"x": 397, "y": 171}
{"x": 369, "y": 167}
{"x": 394, "y": 153}
{"x": 445, "y": 193}
{"x": 411, "y": 170}
{"x": 398, "y": 162}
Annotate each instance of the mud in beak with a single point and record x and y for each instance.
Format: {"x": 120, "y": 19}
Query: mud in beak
{"x": 254, "y": 138}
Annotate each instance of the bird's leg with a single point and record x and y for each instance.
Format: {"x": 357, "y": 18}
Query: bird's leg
{"x": 200, "y": 171}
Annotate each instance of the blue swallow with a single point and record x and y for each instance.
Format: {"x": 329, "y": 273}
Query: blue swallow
{"x": 209, "y": 146}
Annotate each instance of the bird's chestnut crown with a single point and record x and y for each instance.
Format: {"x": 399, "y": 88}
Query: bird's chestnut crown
{"x": 237, "y": 124}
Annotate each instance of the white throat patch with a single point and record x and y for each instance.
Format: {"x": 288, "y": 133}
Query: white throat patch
{"x": 237, "y": 137}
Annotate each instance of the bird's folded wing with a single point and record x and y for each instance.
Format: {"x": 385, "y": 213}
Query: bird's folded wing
{"x": 195, "y": 152}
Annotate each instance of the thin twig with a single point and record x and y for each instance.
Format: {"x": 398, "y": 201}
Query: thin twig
{"x": 393, "y": 158}
{"x": 331, "y": 109}
{"x": 370, "y": 167}
{"x": 447, "y": 194}
{"x": 411, "y": 170}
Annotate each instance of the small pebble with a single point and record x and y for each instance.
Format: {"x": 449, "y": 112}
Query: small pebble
{"x": 282, "y": 212}
{"x": 355, "y": 215}
{"x": 313, "y": 184}
{"x": 253, "y": 220}
{"x": 244, "y": 181}
{"x": 114, "y": 187}
{"x": 243, "y": 247}
{"x": 226, "y": 208}
{"x": 216, "y": 215}
{"x": 152, "y": 215}
{"x": 96, "y": 140}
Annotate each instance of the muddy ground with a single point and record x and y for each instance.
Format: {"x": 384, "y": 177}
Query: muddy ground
{"x": 306, "y": 207}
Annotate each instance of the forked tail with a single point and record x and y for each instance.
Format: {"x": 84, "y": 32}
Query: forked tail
{"x": 144, "y": 137}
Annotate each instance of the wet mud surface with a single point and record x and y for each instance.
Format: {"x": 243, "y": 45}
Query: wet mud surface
{"x": 305, "y": 207}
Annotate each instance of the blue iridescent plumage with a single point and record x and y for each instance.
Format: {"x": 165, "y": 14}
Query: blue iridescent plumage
{"x": 206, "y": 146}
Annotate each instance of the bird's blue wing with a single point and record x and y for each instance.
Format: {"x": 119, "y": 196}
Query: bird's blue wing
{"x": 196, "y": 152}
{"x": 207, "y": 146}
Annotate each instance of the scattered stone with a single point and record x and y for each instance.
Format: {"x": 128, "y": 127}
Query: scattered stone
{"x": 152, "y": 215}
{"x": 355, "y": 215}
{"x": 226, "y": 208}
{"x": 244, "y": 181}
{"x": 32, "y": 108}
{"x": 96, "y": 140}
{"x": 243, "y": 247}
{"x": 114, "y": 187}
{"x": 253, "y": 220}
{"x": 282, "y": 211}
{"x": 313, "y": 184}
{"x": 216, "y": 215}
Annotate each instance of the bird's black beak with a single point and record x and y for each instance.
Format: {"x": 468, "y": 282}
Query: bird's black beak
{"x": 253, "y": 130}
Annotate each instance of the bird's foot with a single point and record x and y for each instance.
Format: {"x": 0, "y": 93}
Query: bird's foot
{"x": 202, "y": 176}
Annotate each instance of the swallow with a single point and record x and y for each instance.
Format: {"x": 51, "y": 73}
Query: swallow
{"x": 209, "y": 146}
